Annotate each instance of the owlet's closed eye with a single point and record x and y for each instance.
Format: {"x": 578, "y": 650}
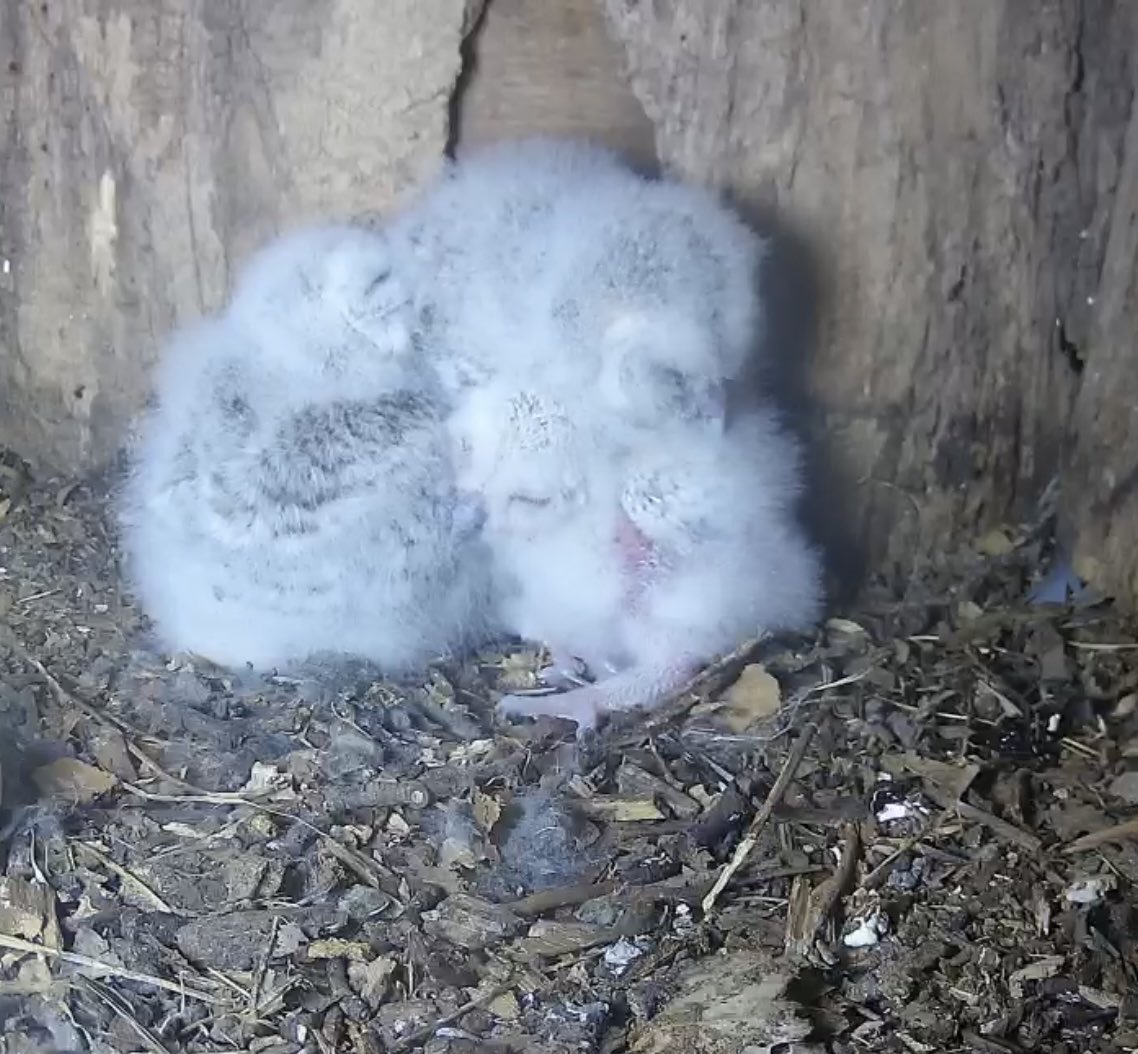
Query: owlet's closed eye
{"x": 378, "y": 280}
{"x": 530, "y": 502}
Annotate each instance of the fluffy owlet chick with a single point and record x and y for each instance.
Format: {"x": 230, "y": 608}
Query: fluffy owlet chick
{"x": 557, "y": 573}
{"x": 552, "y": 255}
{"x": 556, "y": 531}
{"x": 664, "y": 289}
{"x": 693, "y": 551}
{"x": 293, "y": 493}
{"x": 489, "y": 242}
{"x": 332, "y": 302}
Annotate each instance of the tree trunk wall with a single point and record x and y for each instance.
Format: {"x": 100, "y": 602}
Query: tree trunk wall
{"x": 953, "y": 166}
{"x": 150, "y": 144}
{"x": 549, "y": 68}
{"x": 1100, "y": 487}
{"x": 964, "y": 175}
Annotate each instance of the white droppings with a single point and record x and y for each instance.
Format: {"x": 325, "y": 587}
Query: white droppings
{"x": 868, "y": 932}
{"x": 1089, "y": 890}
{"x": 894, "y": 810}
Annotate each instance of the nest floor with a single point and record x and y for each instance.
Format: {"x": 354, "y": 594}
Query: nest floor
{"x": 915, "y": 833}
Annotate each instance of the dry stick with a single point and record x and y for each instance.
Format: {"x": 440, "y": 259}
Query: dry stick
{"x": 421, "y": 1035}
{"x": 1117, "y": 833}
{"x": 17, "y": 944}
{"x": 826, "y": 893}
{"x": 715, "y": 678}
{"x": 63, "y": 697}
{"x": 124, "y": 1010}
{"x": 881, "y": 871}
{"x": 69, "y": 699}
{"x": 810, "y": 908}
{"x": 126, "y": 877}
{"x": 1009, "y": 832}
{"x": 365, "y": 868}
{"x": 762, "y": 817}
{"x": 562, "y": 897}
{"x": 262, "y": 969}
{"x": 988, "y": 1044}
{"x": 794, "y": 941}
{"x": 706, "y": 682}
{"x": 1087, "y": 645}
{"x": 571, "y": 960}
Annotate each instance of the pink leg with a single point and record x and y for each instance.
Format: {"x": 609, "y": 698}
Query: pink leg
{"x": 640, "y": 686}
{"x": 566, "y": 670}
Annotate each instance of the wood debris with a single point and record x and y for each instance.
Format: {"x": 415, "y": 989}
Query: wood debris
{"x": 912, "y": 833}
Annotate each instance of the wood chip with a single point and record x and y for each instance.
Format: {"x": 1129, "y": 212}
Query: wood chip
{"x": 551, "y": 939}
{"x": 756, "y": 696}
{"x": 73, "y": 781}
{"x": 471, "y": 922}
{"x": 619, "y": 810}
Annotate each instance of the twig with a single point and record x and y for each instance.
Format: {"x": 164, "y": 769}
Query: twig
{"x": 1009, "y": 832}
{"x": 562, "y": 897}
{"x": 713, "y": 679}
{"x": 1116, "y": 833}
{"x": 262, "y": 968}
{"x": 1087, "y": 645}
{"x": 196, "y": 796}
{"x": 69, "y": 700}
{"x": 881, "y": 871}
{"x": 127, "y": 877}
{"x": 704, "y": 684}
{"x": 66, "y": 699}
{"x": 421, "y": 1035}
{"x": 989, "y": 1044}
{"x": 17, "y": 944}
{"x": 826, "y": 894}
{"x": 567, "y": 962}
{"x": 365, "y": 868}
{"x": 124, "y": 1010}
{"x": 762, "y": 817}
{"x": 797, "y": 934}
{"x": 809, "y": 908}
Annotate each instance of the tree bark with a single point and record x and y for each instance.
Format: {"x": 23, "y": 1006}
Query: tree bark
{"x": 951, "y": 167}
{"x": 537, "y": 67}
{"x": 1100, "y": 488}
{"x": 150, "y": 144}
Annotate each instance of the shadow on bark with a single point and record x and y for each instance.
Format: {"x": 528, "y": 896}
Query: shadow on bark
{"x": 793, "y": 292}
